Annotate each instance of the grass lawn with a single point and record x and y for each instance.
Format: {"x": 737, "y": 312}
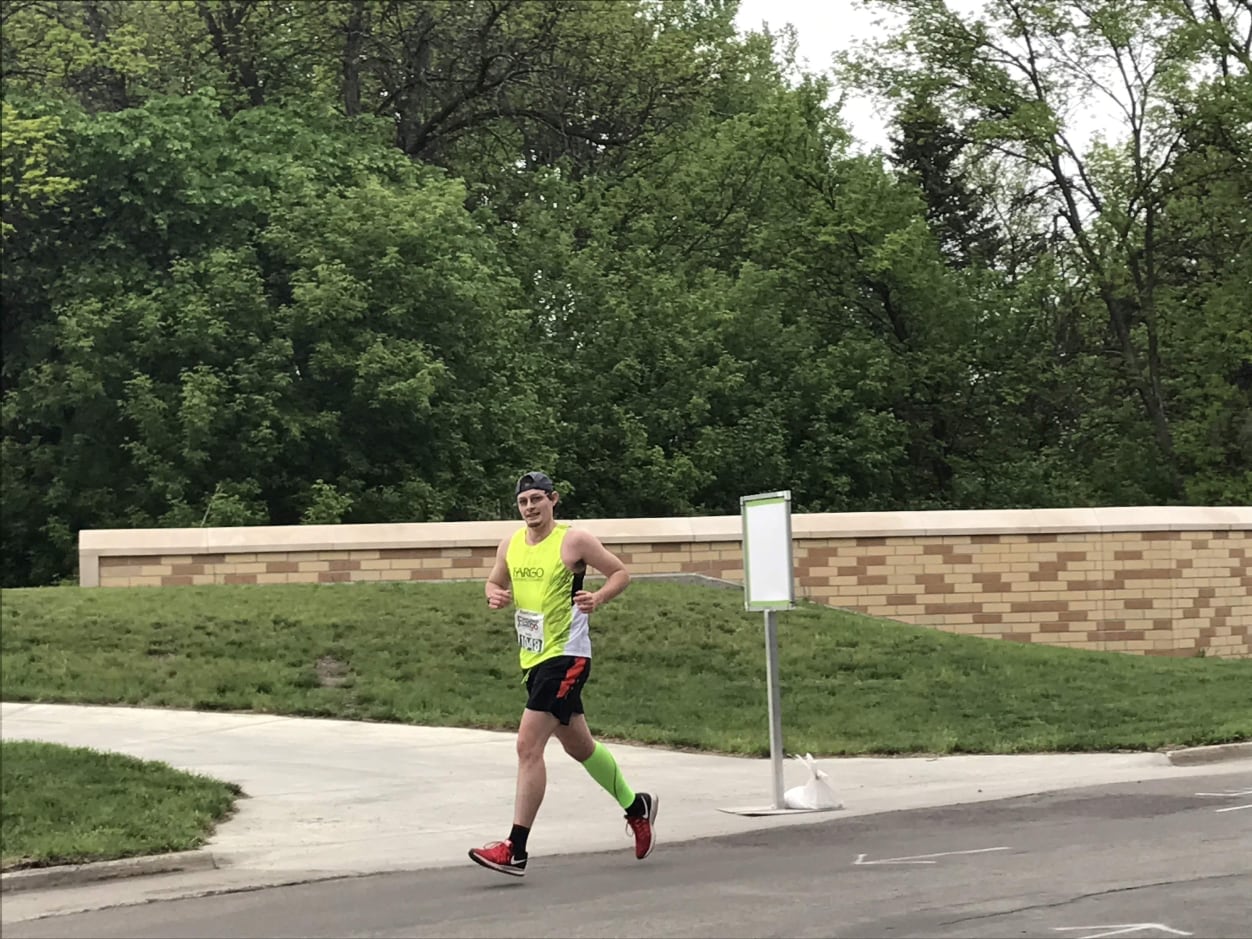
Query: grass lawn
{"x": 675, "y": 664}
{"x": 67, "y": 805}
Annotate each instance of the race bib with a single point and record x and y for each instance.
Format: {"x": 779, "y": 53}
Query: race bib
{"x": 529, "y": 630}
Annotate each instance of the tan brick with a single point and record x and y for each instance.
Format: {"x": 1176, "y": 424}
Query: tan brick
{"x": 905, "y": 609}
{"x": 119, "y": 572}
{"x": 822, "y": 571}
{"x": 408, "y": 554}
{"x": 908, "y": 552}
{"x": 248, "y": 567}
{"x": 971, "y": 589}
{"x": 909, "y": 570}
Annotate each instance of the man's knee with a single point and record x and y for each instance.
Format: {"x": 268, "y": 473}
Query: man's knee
{"x": 579, "y": 748}
{"x": 532, "y": 736}
{"x": 576, "y": 739}
{"x": 528, "y": 751}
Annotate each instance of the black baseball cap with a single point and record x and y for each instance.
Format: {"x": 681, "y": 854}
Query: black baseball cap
{"x": 534, "y": 480}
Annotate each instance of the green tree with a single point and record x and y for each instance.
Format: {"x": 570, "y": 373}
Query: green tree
{"x": 239, "y": 313}
{"x": 931, "y": 151}
{"x": 1012, "y": 82}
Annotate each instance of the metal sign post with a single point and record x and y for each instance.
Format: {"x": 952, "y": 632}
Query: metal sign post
{"x": 775, "y": 704}
{"x": 769, "y": 586}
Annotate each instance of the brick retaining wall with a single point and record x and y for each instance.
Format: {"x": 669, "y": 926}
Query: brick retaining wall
{"x": 1159, "y": 581}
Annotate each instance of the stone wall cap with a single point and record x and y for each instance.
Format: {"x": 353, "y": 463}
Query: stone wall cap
{"x": 1023, "y": 521}
{"x": 724, "y": 528}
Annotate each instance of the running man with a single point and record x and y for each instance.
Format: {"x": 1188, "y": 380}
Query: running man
{"x": 541, "y": 568}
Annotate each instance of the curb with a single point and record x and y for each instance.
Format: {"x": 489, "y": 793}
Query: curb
{"x": 1214, "y": 754}
{"x": 41, "y": 878}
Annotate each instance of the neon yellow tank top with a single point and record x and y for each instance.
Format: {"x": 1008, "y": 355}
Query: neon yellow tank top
{"x": 547, "y": 622}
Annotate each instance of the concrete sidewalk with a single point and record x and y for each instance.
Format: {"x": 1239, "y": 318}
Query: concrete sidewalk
{"x": 332, "y": 798}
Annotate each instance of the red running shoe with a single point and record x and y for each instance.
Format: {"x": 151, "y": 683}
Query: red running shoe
{"x": 641, "y": 825}
{"x": 498, "y": 855}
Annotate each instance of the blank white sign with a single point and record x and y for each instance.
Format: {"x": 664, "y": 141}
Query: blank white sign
{"x": 768, "y": 582}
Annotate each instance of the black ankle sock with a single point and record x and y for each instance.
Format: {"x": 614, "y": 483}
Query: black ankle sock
{"x": 518, "y": 837}
{"x": 636, "y": 808}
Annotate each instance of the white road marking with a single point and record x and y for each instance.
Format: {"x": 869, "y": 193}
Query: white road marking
{"x": 922, "y": 858}
{"x": 1121, "y": 929}
{"x": 1229, "y": 794}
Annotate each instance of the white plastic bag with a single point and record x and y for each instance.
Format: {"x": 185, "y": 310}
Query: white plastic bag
{"x": 815, "y": 794}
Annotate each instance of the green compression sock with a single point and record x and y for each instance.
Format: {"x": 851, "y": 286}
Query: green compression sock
{"x": 603, "y": 769}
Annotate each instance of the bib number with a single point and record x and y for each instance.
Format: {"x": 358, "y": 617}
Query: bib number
{"x": 529, "y": 627}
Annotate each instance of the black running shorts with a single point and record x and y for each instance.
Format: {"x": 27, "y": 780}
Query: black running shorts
{"x": 555, "y": 685}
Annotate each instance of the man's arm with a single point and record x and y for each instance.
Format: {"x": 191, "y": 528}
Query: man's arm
{"x": 593, "y": 553}
{"x": 498, "y": 593}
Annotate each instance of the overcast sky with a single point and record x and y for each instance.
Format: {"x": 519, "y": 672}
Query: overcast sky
{"x": 822, "y": 28}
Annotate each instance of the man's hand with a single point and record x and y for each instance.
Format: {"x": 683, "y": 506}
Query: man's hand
{"x": 498, "y": 597}
{"x": 586, "y": 602}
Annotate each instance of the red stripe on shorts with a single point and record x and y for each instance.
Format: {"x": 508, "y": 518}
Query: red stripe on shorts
{"x": 571, "y": 676}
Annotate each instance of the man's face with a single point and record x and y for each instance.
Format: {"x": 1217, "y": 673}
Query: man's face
{"x": 535, "y": 506}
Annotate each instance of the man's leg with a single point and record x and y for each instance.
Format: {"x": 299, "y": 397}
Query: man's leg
{"x": 598, "y": 761}
{"x": 576, "y": 737}
{"x": 509, "y": 857}
{"x": 533, "y": 733}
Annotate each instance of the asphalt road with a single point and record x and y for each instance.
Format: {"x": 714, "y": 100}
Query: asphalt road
{"x": 1152, "y": 859}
